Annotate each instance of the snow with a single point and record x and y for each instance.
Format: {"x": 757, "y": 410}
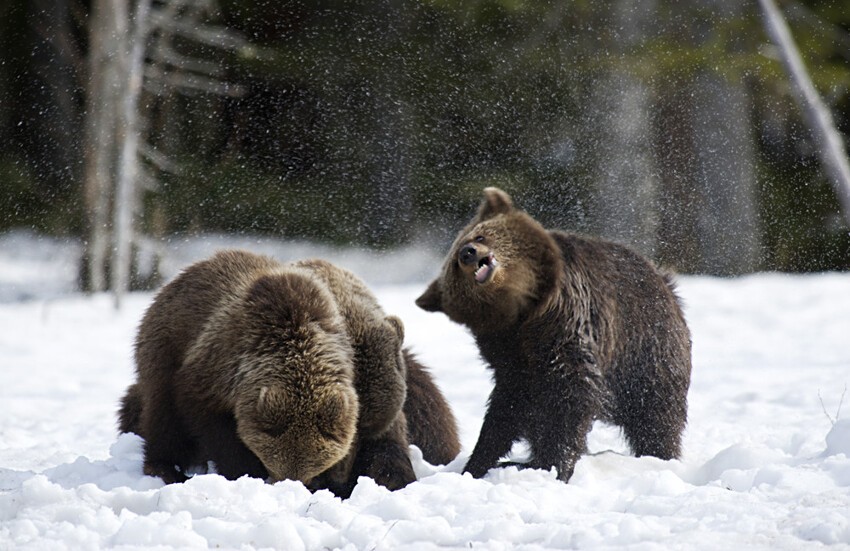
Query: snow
{"x": 766, "y": 461}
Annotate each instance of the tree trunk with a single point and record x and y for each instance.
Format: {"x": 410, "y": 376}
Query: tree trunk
{"x": 678, "y": 248}
{"x": 724, "y": 171}
{"x": 705, "y": 147}
{"x": 51, "y": 110}
{"x": 626, "y": 194}
{"x": 626, "y": 176}
{"x": 128, "y": 165}
{"x": 102, "y": 98}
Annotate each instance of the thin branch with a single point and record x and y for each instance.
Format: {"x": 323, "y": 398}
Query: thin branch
{"x": 838, "y": 412}
{"x": 159, "y": 160}
{"x": 146, "y": 181}
{"x": 158, "y": 80}
{"x": 171, "y": 57}
{"x": 218, "y": 37}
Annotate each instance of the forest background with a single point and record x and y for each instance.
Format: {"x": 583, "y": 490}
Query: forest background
{"x": 668, "y": 125}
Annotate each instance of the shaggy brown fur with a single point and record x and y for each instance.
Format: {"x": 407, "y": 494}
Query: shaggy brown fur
{"x": 431, "y": 424}
{"x": 380, "y": 450}
{"x": 372, "y": 343}
{"x": 574, "y": 329}
{"x": 246, "y": 363}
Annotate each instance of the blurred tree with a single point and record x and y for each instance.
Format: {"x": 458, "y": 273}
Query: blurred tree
{"x": 119, "y": 42}
{"x": 709, "y": 220}
{"x": 40, "y": 100}
{"x": 667, "y": 125}
{"x": 108, "y": 28}
{"x": 619, "y": 127}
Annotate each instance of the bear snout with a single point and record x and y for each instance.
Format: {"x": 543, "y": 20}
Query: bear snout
{"x": 468, "y": 255}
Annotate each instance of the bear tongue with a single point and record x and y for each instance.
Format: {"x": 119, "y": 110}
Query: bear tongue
{"x": 482, "y": 273}
{"x": 485, "y": 270}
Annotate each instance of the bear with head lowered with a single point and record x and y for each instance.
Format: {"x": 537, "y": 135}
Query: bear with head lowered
{"x": 280, "y": 371}
{"x": 245, "y": 363}
{"x": 574, "y": 329}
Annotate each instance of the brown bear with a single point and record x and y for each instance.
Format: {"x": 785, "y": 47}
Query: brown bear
{"x": 380, "y": 372}
{"x": 246, "y": 363}
{"x": 574, "y": 328}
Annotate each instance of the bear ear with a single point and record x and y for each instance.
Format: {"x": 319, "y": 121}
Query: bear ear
{"x": 337, "y": 414}
{"x": 397, "y": 326}
{"x": 495, "y": 202}
{"x": 272, "y": 398}
{"x": 432, "y": 299}
{"x": 273, "y": 408}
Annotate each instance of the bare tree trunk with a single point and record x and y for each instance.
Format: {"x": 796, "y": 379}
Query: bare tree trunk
{"x": 51, "y": 110}
{"x": 128, "y": 165}
{"x": 705, "y": 148}
{"x": 102, "y": 96}
{"x": 678, "y": 248}
{"x": 833, "y": 155}
{"x": 390, "y": 203}
{"x": 626, "y": 176}
{"x": 627, "y": 181}
{"x": 726, "y": 226}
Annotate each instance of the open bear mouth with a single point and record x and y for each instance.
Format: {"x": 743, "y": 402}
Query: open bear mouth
{"x": 486, "y": 268}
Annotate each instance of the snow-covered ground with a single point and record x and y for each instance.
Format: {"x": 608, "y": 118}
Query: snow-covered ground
{"x": 766, "y": 460}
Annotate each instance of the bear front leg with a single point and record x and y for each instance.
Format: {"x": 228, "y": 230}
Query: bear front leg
{"x": 386, "y": 458}
{"x": 558, "y": 434}
{"x": 168, "y": 449}
{"x": 219, "y": 442}
{"x": 501, "y": 428}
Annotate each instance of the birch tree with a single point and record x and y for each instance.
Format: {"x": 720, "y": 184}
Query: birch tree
{"x": 128, "y": 170}
{"x": 106, "y": 21}
{"x": 123, "y": 65}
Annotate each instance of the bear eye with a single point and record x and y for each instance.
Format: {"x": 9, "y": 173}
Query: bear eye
{"x": 479, "y": 239}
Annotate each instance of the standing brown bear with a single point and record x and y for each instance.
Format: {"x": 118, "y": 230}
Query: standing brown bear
{"x": 574, "y": 329}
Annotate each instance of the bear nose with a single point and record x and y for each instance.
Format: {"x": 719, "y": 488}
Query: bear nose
{"x": 468, "y": 255}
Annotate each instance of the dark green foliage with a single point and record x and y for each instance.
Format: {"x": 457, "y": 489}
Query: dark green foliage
{"x": 379, "y": 122}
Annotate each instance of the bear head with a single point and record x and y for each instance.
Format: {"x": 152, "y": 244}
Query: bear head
{"x": 296, "y": 407}
{"x": 298, "y": 433}
{"x": 501, "y": 265}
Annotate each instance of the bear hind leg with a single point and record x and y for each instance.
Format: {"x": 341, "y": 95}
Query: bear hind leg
{"x": 653, "y": 425}
{"x": 648, "y": 438}
{"x": 650, "y": 400}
